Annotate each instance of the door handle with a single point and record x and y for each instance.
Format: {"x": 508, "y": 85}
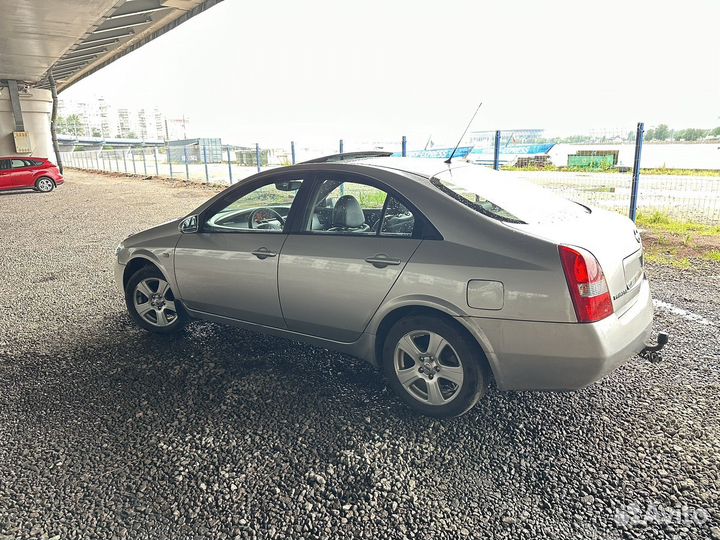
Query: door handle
{"x": 381, "y": 260}
{"x": 263, "y": 253}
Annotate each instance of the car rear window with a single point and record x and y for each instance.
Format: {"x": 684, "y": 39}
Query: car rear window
{"x": 503, "y": 196}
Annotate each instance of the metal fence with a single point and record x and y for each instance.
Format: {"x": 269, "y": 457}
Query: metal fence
{"x": 680, "y": 180}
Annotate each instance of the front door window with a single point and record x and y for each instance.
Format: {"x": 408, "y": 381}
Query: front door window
{"x": 263, "y": 209}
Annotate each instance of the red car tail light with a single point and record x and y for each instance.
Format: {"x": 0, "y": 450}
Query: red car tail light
{"x": 586, "y": 281}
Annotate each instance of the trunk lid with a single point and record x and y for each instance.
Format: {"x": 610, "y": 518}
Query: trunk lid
{"x": 610, "y": 237}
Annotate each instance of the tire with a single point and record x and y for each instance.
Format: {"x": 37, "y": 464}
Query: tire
{"x": 151, "y": 303}
{"x": 433, "y": 366}
{"x": 44, "y": 184}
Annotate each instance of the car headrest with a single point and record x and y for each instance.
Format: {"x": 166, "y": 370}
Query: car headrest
{"x": 347, "y": 212}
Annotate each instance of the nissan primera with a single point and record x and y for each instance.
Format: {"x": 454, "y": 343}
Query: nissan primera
{"x": 444, "y": 275}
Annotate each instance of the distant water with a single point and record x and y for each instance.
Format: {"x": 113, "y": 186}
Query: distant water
{"x": 672, "y": 156}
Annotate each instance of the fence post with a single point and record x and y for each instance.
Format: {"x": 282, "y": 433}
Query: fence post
{"x": 187, "y": 166}
{"x": 144, "y": 162}
{"x": 132, "y": 156}
{"x": 404, "y": 146}
{"x": 496, "y": 153}
{"x": 257, "y": 155}
{"x": 207, "y": 177}
{"x": 636, "y": 170}
{"x": 227, "y": 149}
{"x": 292, "y": 151}
{"x": 102, "y": 160}
{"x": 342, "y": 151}
{"x": 157, "y": 171}
{"x": 169, "y": 158}
{"x": 124, "y": 161}
{"x": 117, "y": 161}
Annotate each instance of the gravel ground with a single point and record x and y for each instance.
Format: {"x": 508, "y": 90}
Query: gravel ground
{"x": 109, "y": 432}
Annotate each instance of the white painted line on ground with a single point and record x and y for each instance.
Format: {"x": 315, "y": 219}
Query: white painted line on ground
{"x": 685, "y": 314}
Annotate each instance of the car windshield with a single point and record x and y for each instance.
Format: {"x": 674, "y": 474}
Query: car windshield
{"x": 504, "y": 197}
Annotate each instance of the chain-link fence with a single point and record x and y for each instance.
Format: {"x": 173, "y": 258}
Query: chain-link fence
{"x": 679, "y": 179}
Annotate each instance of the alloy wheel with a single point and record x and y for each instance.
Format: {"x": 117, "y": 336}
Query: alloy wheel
{"x": 154, "y": 302}
{"x": 428, "y": 367}
{"x": 45, "y": 184}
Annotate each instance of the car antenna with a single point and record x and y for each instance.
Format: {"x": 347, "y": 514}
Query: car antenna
{"x": 449, "y": 160}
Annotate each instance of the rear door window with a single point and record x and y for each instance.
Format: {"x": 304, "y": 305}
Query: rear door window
{"x": 343, "y": 206}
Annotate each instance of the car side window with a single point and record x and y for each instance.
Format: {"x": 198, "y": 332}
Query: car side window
{"x": 263, "y": 209}
{"x": 353, "y": 208}
{"x": 17, "y": 163}
{"x": 4, "y": 164}
{"x": 398, "y": 220}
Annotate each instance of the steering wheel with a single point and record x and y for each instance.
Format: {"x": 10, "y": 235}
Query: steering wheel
{"x": 273, "y": 213}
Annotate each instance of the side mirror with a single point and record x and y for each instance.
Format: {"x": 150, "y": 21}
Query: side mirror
{"x": 189, "y": 225}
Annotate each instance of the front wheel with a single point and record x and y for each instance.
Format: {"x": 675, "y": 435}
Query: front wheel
{"x": 433, "y": 366}
{"x": 151, "y": 302}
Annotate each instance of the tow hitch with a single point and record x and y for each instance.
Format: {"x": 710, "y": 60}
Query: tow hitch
{"x": 652, "y": 352}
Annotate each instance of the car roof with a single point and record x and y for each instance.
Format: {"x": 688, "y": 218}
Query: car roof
{"x": 24, "y": 157}
{"x": 424, "y": 167}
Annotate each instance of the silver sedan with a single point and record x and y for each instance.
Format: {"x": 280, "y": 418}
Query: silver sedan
{"x": 445, "y": 276}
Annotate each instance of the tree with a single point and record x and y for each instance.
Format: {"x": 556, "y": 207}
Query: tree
{"x": 70, "y": 125}
{"x": 96, "y": 132}
{"x": 715, "y": 132}
{"x": 690, "y": 134}
{"x": 662, "y": 132}
{"x": 650, "y": 134}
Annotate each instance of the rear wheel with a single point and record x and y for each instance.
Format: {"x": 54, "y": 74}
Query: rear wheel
{"x": 151, "y": 302}
{"x": 433, "y": 366}
{"x": 44, "y": 184}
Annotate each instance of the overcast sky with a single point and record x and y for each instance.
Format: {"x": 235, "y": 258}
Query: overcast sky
{"x": 277, "y": 70}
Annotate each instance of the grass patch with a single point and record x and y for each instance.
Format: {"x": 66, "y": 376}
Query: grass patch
{"x": 660, "y": 222}
{"x": 713, "y": 255}
{"x": 667, "y": 259}
{"x": 681, "y": 172}
{"x": 600, "y": 189}
{"x": 654, "y": 172}
{"x": 676, "y": 243}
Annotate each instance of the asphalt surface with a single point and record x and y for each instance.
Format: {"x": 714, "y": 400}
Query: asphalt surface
{"x": 107, "y": 431}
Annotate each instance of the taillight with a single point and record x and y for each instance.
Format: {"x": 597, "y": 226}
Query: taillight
{"x": 586, "y": 281}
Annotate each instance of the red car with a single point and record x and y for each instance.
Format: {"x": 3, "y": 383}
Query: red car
{"x": 21, "y": 172}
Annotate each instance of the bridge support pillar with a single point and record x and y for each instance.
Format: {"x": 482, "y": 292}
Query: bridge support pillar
{"x": 28, "y": 110}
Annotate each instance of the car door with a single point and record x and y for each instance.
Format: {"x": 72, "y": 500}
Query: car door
{"x": 21, "y": 173}
{"x": 352, "y": 244}
{"x": 229, "y": 266}
{"x": 5, "y": 174}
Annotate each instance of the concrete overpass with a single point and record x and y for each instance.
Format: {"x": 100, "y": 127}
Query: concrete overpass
{"x": 68, "y": 143}
{"x": 48, "y": 45}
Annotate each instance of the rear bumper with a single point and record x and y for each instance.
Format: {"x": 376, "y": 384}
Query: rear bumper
{"x": 564, "y": 356}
